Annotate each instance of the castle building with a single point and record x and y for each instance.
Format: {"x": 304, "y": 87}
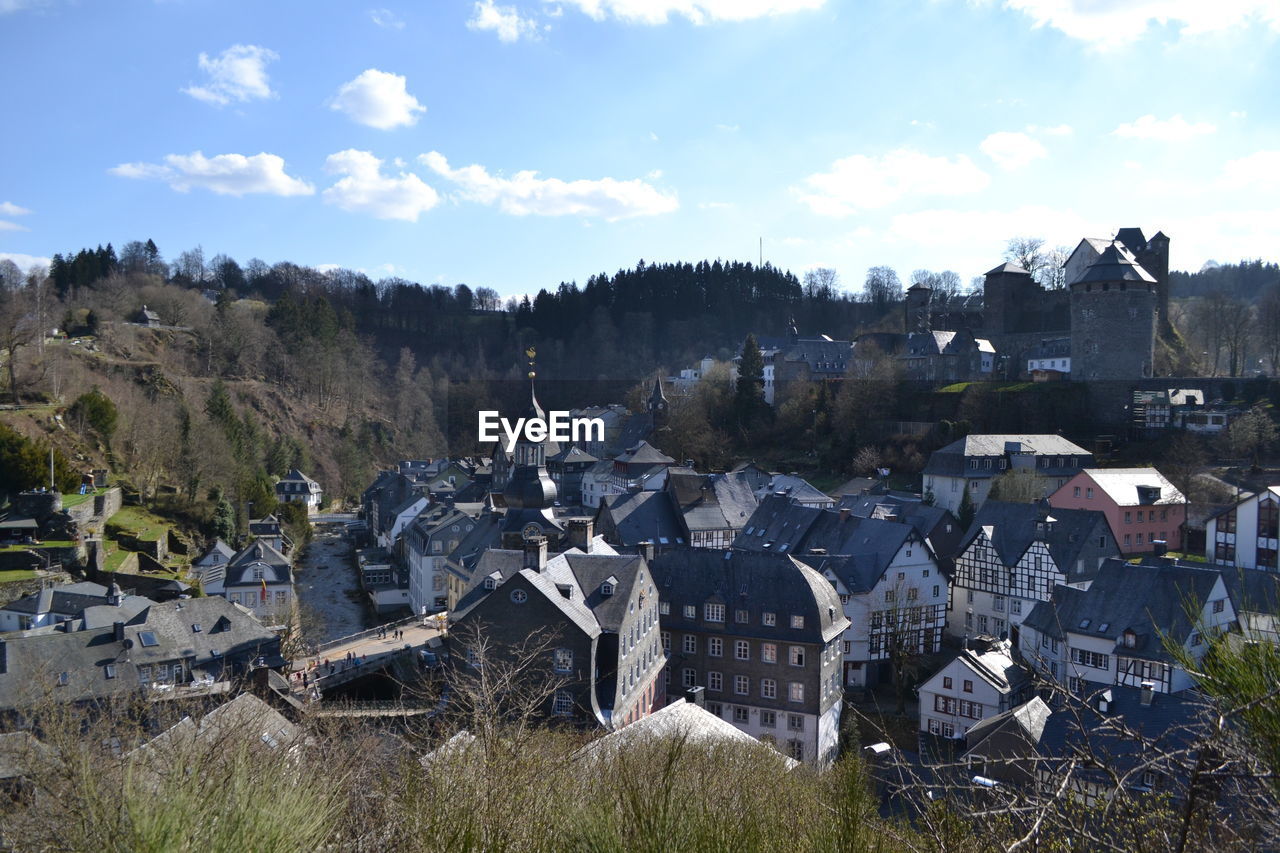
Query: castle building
{"x": 1114, "y": 309}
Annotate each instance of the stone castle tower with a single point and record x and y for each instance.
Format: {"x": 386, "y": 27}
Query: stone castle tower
{"x": 1114, "y": 312}
{"x": 918, "y": 306}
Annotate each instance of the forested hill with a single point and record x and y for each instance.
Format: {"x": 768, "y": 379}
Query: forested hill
{"x": 1247, "y": 280}
{"x": 620, "y": 325}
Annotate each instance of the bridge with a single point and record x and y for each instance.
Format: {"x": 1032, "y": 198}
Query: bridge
{"x": 374, "y": 708}
{"x": 366, "y": 652}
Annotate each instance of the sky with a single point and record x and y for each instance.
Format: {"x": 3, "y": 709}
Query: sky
{"x": 516, "y": 144}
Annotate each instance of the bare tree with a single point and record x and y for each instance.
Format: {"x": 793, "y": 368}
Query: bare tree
{"x": 821, "y": 283}
{"x": 1026, "y": 252}
{"x": 18, "y": 330}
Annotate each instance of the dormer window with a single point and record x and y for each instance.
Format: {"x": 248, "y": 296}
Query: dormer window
{"x": 1130, "y": 639}
{"x": 606, "y": 588}
{"x": 490, "y": 583}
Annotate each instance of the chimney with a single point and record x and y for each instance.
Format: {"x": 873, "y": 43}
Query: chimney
{"x": 1148, "y": 693}
{"x": 844, "y": 514}
{"x": 1159, "y": 547}
{"x": 535, "y": 553}
{"x": 646, "y": 550}
{"x": 1104, "y": 701}
{"x": 581, "y": 531}
{"x": 688, "y": 463}
{"x": 693, "y": 695}
{"x": 119, "y": 631}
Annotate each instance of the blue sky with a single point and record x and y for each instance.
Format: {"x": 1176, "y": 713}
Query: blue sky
{"x": 515, "y": 144}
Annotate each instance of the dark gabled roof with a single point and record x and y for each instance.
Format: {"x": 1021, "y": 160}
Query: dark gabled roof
{"x": 65, "y": 599}
{"x": 778, "y": 525}
{"x": 571, "y": 454}
{"x": 275, "y": 566}
{"x": 1008, "y": 267}
{"x": 644, "y": 516}
{"x": 911, "y": 510}
{"x": 31, "y": 664}
{"x": 296, "y": 476}
{"x": 755, "y": 582}
{"x": 1252, "y": 590}
{"x": 1113, "y": 265}
{"x": 1027, "y": 720}
{"x": 1151, "y": 600}
{"x": 858, "y": 550}
{"x": 486, "y": 534}
{"x": 644, "y": 453}
{"x": 1013, "y": 527}
{"x": 710, "y": 501}
{"x": 1169, "y": 724}
{"x": 949, "y": 461}
{"x": 634, "y": 429}
{"x": 1132, "y": 238}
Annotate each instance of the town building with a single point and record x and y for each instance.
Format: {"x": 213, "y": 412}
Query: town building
{"x": 968, "y": 465}
{"x": 761, "y": 634}
{"x": 1014, "y": 555}
{"x": 297, "y": 487}
{"x": 1142, "y": 507}
{"x": 1119, "y": 630}
{"x": 427, "y": 543}
{"x": 974, "y": 685}
{"x": 60, "y": 603}
{"x": 260, "y": 579}
{"x": 1246, "y": 535}
{"x": 598, "y": 616}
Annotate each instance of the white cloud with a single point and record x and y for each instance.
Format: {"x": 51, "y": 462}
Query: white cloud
{"x": 378, "y": 99}
{"x": 1239, "y": 114}
{"x": 715, "y": 205}
{"x": 1055, "y": 130}
{"x": 861, "y": 182}
{"x": 1259, "y": 171}
{"x": 1174, "y": 129}
{"x": 386, "y": 19}
{"x": 8, "y": 208}
{"x": 526, "y": 193}
{"x": 364, "y": 189}
{"x": 927, "y": 125}
{"x": 239, "y": 73}
{"x": 505, "y": 21}
{"x": 7, "y": 6}
{"x": 224, "y": 174}
{"x": 12, "y": 226}
{"x": 25, "y": 262}
{"x": 1012, "y": 151}
{"x": 1112, "y": 23}
{"x": 728, "y": 128}
{"x": 697, "y": 11}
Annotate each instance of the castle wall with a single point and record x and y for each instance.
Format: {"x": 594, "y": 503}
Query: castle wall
{"x": 1112, "y": 330}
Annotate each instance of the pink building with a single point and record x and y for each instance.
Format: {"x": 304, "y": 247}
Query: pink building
{"x": 1141, "y": 506}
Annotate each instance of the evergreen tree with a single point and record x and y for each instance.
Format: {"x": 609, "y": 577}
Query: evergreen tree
{"x": 749, "y": 404}
{"x": 224, "y": 520}
{"x": 966, "y": 510}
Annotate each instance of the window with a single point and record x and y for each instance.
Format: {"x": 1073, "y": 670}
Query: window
{"x": 689, "y": 644}
{"x": 796, "y": 691}
{"x": 1195, "y": 638}
{"x": 889, "y": 596}
{"x": 564, "y": 660}
{"x": 936, "y": 590}
{"x": 946, "y": 682}
{"x": 1076, "y": 492}
{"x": 796, "y": 655}
{"x": 740, "y": 616}
{"x": 998, "y": 603}
{"x": 715, "y": 681}
{"x": 148, "y": 638}
{"x": 144, "y": 674}
{"x": 768, "y": 719}
{"x": 1128, "y": 518}
{"x": 742, "y": 650}
{"x": 797, "y": 622}
{"x": 1092, "y": 659}
{"x": 110, "y": 670}
{"x": 563, "y": 703}
{"x": 490, "y": 583}
{"x": 741, "y": 715}
{"x": 690, "y": 612}
{"x": 1127, "y": 540}
{"x": 848, "y": 647}
{"x": 715, "y": 647}
{"x": 1219, "y": 605}
{"x": 714, "y": 612}
{"x": 768, "y": 617}
{"x": 795, "y": 722}
{"x": 912, "y": 593}
{"x": 1015, "y": 606}
{"x": 741, "y": 685}
{"x": 688, "y": 677}
{"x": 664, "y": 607}
{"x": 769, "y": 652}
{"x": 768, "y": 688}
{"x": 715, "y": 708}
{"x": 519, "y": 596}
{"x": 968, "y": 686}
{"x": 666, "y": 641}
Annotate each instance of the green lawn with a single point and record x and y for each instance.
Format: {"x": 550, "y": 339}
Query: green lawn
{"x": 16, "y": 575}
{"x": 69, "y": 501}
{"x": 48, "y": 543}
{"x": 139, "y": 523}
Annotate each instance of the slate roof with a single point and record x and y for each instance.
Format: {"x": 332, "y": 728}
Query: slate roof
{"x": 1125, "y": 485}
{"x": 680, "y": 719}
{"x": 275, "y": 566}
{"x": 1013, "y": 527}
{"x": 68, "y": 599}
{"x": 30, "y": 665}
{"x": 1028, "y": 719}
{"x": 795, "y": 487}
{"x": 1252, "y": 590}
{"x": 951, "y": 461}
{"x": 1008, "y": 267}
{"x": 1151, "y": 600}
{"x": 643, "y": 453}
{"x": 642, "y": 516}
{"x": 572, "y": 454}
{"x": 296, "y": 476}
{"x": 710, "y": 501}
{"x": 219, "y": 554}
{"x": 1114, "y": 265}
{"x": 753, "y": 581}
{"x": 859, "y": 550}
{"x": 777, "y": 522}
